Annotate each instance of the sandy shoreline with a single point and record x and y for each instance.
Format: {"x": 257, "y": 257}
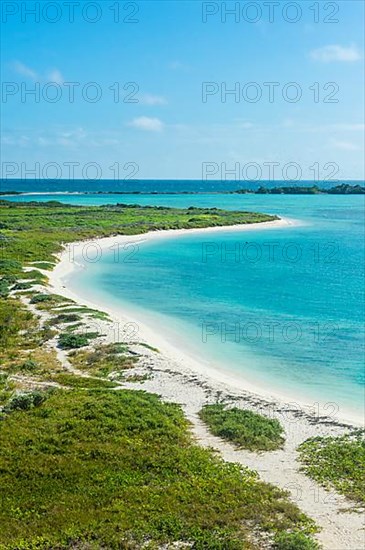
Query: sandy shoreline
{"x": 91, "y": 251}
{"x": 179, "y": 378}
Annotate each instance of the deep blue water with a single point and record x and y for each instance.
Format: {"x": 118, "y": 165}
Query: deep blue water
{"x": 147, "y": 186}
{"x": 283, "y": 308}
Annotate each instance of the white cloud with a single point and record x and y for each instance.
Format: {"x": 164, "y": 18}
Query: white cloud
{"x": 351, "y": 127}
{"x": 17, "y": 141}
{"x": 335, "y": 52}
{"x": 244, "y": 124}
{"x": 345, "y": 145}
{"x": 288, "y": 123}
{"x": 23, "y": 70}
{"x": 148, "y": 124}
{"x": 43, "y": 142}
{"x": 178, "y": 66}
{"x": 148, "y": 99}
{"x": 55, "y": 76}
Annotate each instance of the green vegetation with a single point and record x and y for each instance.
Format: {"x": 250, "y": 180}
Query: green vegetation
{"x": 25, "y": 401}
{"x": 244, "y": 428}
{"x": 18, "y": 328}
{"x": 44, "y": 265}
{"x": 147, "y": 346}
{"x": 31, "y": 234}
{"x": 49, "y": 301}
{"x": 106, "y": 469}
{"x": 86, "y": 466}
{"x": 81, "y": 382}
{"x": 67, "y": 340}
{"x": 83, "y": 309}
{"x": 104, "y": 359}
{"x": 342, "y": 189}
{"x": 7, "y": 388}
{"x": 65, "y": 318}
{"x": 294, "y": 541}
{"x": 337, "y": 462}
{"x": 34, "y": 232}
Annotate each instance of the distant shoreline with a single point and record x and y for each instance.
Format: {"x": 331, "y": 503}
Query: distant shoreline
{"x": 341, "y": 189}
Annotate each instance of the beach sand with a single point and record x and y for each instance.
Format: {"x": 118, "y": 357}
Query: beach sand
{"x": 178, "y": 377}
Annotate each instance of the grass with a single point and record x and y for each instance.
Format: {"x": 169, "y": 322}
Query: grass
{"x": 34, "y": 232}
{"x": 81, "y": 382}
{"x": 83, "y": 309}
{"x": 65, "y": 318}
{"x": 18, "y": 328}
{"x": 48, "y": 301}
{"x": 244, "y": 428}
{"x": 7, "y": 388}
{"x": 337, "y": 463}
{"x": 104, "y": 359}
{"x": 109, "y": 468}
{"x": 147, "y": 346}
{"x": 44, "y": 265}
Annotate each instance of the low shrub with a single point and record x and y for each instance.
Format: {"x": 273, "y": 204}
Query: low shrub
{"x": 25, "y": 401}
{"x": 294, "y": 541}
{"x": 244, "y": 428}
{"x": 29, "y": 366}
{"x": 41, "y": 298}
{"x": 337, "y": 463}
{"x": 68, "y": 340}
{"x": 65, "y": 318}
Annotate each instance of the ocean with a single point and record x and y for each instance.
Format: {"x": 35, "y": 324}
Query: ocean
{"x": 281, "y": 308}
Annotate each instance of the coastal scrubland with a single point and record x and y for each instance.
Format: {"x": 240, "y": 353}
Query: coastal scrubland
{"x": 86, "y": 463}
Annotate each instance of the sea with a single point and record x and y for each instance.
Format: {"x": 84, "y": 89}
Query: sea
{"x": 282, "y": 309}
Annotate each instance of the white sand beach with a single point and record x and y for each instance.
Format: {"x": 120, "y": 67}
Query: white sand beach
{"x": 179, "y": 377}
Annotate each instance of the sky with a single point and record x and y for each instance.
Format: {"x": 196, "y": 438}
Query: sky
{"x": 183, "y": 90}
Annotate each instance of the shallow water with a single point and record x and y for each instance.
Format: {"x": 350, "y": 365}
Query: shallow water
{"x": 283, "y": 308}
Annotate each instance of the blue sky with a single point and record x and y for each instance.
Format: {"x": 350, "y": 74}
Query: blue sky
{"x": 163, "y": 59}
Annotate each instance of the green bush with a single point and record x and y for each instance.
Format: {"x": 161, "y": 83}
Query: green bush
{"x": 65, "y": 318}
{"x": 294, "y": 541}
{"x": 9, "y": 267}
{"x": 4, "y": 288}
{"x": 41, "y": 298}
{"x": 44, "y": 265}
{"x": 337, "y": 462}
{"x": 29, "y": 365}
{"x": 244, "y": 428}
{"x": 68, "y": 340}
{"x": 24, "y": 286}
{"x": 25, "y": 401}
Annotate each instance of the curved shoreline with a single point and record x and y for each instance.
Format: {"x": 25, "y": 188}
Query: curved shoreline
{"x": 91, "y": 251}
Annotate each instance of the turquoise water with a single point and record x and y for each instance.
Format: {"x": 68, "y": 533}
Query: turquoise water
{"x": 282, "y": 308}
